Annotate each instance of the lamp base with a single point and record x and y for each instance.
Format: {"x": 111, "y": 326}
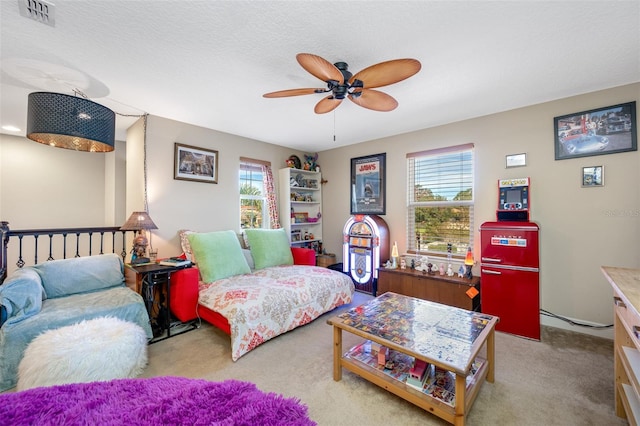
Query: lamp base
{"x": 467, "y": 272}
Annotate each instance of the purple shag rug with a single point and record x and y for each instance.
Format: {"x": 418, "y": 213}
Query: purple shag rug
{"x": 154, "y": 401}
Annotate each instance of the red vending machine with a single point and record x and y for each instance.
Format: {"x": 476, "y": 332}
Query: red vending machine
{"x": 510, "y": 263}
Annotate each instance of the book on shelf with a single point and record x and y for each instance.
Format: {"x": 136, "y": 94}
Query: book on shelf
{"x": 174, "y": 261}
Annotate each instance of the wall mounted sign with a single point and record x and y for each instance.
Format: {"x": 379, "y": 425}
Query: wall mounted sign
{"x": 368, "y": 184}
{"x": 516, "y": 160}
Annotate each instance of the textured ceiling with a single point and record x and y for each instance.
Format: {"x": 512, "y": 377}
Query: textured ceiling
{"x": 208, "y": 63}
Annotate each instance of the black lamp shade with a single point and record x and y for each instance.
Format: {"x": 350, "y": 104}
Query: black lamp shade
{"x": 70, "y": 122}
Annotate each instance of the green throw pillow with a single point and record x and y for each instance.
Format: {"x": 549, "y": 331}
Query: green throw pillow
{"x": 269, "y": 247}
{"x": 218, "y": 254}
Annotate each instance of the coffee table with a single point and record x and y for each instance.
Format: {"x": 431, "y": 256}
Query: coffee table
{"x": 449, "y": 339}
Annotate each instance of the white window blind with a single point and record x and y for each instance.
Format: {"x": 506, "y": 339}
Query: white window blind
{"x": 440, "y": 200}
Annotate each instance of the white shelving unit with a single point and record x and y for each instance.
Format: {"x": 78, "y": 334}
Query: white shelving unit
{"x": 300, "y": 197}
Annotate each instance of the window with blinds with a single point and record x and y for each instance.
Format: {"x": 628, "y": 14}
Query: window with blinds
{"x": 440, "y": 200}
{"x": 253, "y": 211}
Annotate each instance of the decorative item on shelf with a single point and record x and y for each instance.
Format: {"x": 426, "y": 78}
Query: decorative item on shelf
{"x": 468, "y": 261}
{"x": 301, "y": 217}
{"x": 403, "y": 263}
{"x": 139, "y": 221}
{"x": 70, "y": 122}
{"x": 310, "y": 162}
{"x": 394, "y": 255}
{"x": 449, "y": 271}
{"x": 294, "y": 162}
{"x": 461, "y": 271}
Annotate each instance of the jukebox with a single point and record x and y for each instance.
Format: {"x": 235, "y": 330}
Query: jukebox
{"x": 365, "y": 245}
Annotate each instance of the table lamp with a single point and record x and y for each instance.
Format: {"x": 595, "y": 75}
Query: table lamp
{"x": 139, "y": 221}
{"x": 468, "y": 262}
{"x": 394, "y": 255}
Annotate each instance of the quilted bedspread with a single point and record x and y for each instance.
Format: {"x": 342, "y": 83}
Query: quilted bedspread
{"x": 271, "y": 301}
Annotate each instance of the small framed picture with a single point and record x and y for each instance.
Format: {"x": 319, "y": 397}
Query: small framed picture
{"x": 516, "y": 160}
{"x": 301, "y": 217}
{"x": 592, "y": 176}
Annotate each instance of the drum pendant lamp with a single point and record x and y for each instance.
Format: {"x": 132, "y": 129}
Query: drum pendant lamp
{"x": 70, "y": 122}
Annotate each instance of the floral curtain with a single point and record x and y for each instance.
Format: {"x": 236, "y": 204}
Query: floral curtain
{"x": 270, "y": 192}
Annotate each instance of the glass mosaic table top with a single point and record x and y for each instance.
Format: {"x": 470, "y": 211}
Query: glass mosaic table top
{"x": 441, "y": 333}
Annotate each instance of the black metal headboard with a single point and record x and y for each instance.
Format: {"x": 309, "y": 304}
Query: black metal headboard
{"x": 60, "y": 242}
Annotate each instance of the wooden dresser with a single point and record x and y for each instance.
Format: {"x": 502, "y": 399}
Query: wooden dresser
{"x": 626, "y": 298}
{"x": 453, "y": 291}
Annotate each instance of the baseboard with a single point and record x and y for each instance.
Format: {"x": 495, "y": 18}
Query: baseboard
{"x": 606, "y": 333}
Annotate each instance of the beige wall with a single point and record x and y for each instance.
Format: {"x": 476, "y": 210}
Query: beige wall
{"x": 581, "y": 228}
{"x": 178, "y": 204}
{"x": 42, "y": 186}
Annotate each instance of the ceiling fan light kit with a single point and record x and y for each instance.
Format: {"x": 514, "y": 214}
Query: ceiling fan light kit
{"x": 341, "y": 83}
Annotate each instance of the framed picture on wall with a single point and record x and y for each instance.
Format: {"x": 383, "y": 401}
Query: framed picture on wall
{"x": 592, "y": 176}
{"x": 368, "y": 184}
{"x": 607, "y": 130}
{"x": 195, "y": 164}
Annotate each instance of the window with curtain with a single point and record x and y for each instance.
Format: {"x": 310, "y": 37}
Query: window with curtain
{"x": 257, "y": 195}
{"x": 440, "y": 200}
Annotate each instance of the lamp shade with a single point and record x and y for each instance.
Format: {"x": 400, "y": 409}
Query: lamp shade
{"x": 138, "y": 221}
{"x": 70, "y": 122}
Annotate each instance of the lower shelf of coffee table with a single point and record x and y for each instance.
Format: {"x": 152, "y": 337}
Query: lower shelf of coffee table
{"x": 438, "y": 395}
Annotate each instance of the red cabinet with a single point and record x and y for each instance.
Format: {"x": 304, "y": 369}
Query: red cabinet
{"x": 510, "y": 276}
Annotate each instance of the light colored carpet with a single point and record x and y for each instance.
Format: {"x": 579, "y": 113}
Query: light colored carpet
{"x": 565, "y": 379}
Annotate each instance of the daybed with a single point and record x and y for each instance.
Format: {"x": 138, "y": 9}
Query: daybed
{"x": 58, "y": 293}
{"x": 258, "y": 293}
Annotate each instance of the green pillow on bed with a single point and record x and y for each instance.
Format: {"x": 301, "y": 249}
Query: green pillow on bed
{"x": 219, "y": 255}
{"x": 269, "y": 247}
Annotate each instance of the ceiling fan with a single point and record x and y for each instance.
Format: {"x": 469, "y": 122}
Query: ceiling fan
{"x": 358, "y": 88}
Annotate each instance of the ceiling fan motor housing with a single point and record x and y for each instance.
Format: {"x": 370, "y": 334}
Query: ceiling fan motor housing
{"x": 340, "y": 91}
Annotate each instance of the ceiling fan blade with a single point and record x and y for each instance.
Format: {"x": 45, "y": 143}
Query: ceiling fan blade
{"x": 374, "y": 99}
{"x": 292, "y": 92}
{"x": 386, "y": 73}
{"x": 327, "y": 104}
{"x": 319, "y": 67}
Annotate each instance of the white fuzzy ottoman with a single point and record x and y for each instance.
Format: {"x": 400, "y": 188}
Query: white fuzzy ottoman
{"x": 95, "y": 350}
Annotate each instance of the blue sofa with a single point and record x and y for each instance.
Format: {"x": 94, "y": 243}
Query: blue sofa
{"x": 58, "y": 293}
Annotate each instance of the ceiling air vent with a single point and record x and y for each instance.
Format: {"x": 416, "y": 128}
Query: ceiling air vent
{"x": 38, "y": 10}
